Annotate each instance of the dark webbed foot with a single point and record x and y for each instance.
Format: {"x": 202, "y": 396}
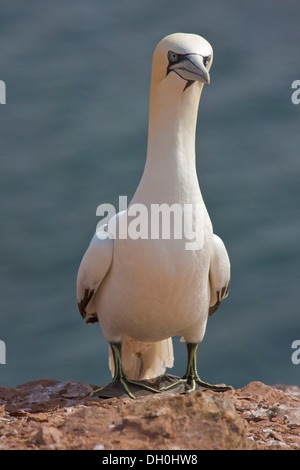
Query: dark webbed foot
{"x": 196, "y": 383}
{"x": 191, "y": 380}
{"x": 124, "y": 387}
{"x": 121, "y": 386}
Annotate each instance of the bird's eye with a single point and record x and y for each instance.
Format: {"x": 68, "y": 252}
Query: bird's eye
{"x": 172, "y": 56}
{"x": 206, "y": 60}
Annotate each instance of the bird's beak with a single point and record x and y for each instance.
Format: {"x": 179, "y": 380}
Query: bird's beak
{"x": 191, "y": 68}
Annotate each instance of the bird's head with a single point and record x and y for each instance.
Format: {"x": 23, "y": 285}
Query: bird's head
{"x": 187, "y": 56}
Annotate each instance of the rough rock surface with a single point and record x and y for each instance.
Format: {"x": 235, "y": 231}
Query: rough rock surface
{"x": 47, "y": 414}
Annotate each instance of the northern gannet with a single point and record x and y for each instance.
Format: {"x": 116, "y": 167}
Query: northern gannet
{"x": 145, "y": 291}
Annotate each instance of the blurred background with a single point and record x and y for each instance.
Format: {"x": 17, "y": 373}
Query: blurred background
{"x": 74, "y": 135}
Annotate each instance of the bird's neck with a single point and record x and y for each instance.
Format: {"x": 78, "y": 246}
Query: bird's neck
{"x": 172, "y": 132}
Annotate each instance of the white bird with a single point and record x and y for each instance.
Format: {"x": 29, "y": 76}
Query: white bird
{"x": 145, "y": 291}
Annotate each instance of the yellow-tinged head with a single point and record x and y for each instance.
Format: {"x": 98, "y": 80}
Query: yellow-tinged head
{"x": 188, "y": 56}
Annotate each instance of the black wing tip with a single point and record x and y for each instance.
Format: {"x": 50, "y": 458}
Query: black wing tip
{"x": 214, "y": 308}
{"x": 221, "y": 296}
{"x": 81, "y": 310}
{"x": 91, "y": 318}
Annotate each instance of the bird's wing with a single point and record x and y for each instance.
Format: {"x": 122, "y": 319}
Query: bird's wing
{"x": 94, "y": 266}
{"x": 219, "y": 274}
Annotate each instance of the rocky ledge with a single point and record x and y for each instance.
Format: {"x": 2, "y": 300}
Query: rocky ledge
{"x": 47, "y": 414}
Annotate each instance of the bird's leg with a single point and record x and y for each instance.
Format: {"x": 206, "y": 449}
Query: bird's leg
{"x": 191, "y": 380}
{"x": 121, "y": 383}
{"x": 191, "y": 376}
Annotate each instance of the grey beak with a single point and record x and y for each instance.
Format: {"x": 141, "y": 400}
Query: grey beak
{"x": 191, "y": 68}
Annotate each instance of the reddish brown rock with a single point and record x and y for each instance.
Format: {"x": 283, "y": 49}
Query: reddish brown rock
{"x": 47, "y": 414}
{"x": 272, "y": 413}
{"x": 48, "y": 436}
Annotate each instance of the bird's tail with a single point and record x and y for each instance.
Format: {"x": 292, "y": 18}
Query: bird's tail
{"x": 144, "y": 360}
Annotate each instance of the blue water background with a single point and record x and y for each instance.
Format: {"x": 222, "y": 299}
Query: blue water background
{"x": 73, "y": 135}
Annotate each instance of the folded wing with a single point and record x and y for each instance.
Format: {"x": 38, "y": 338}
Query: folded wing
{"x": 219, "y": 274}
{"x": 94, "y": 267}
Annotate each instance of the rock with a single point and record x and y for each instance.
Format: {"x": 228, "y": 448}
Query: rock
{"x": 75, "y": 390}
{"x": 42, "y": 395}
{"x": 290, "y": 415}
{"x": 210, "y": 420}
{"x": 272, "y": 414}
{"x": 98, "y": 447}
{"x": 47, "y": 436}
{"x": 48, "y": 414}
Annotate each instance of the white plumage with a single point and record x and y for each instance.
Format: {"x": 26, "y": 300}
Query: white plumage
{"x": 144, "y": 291}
